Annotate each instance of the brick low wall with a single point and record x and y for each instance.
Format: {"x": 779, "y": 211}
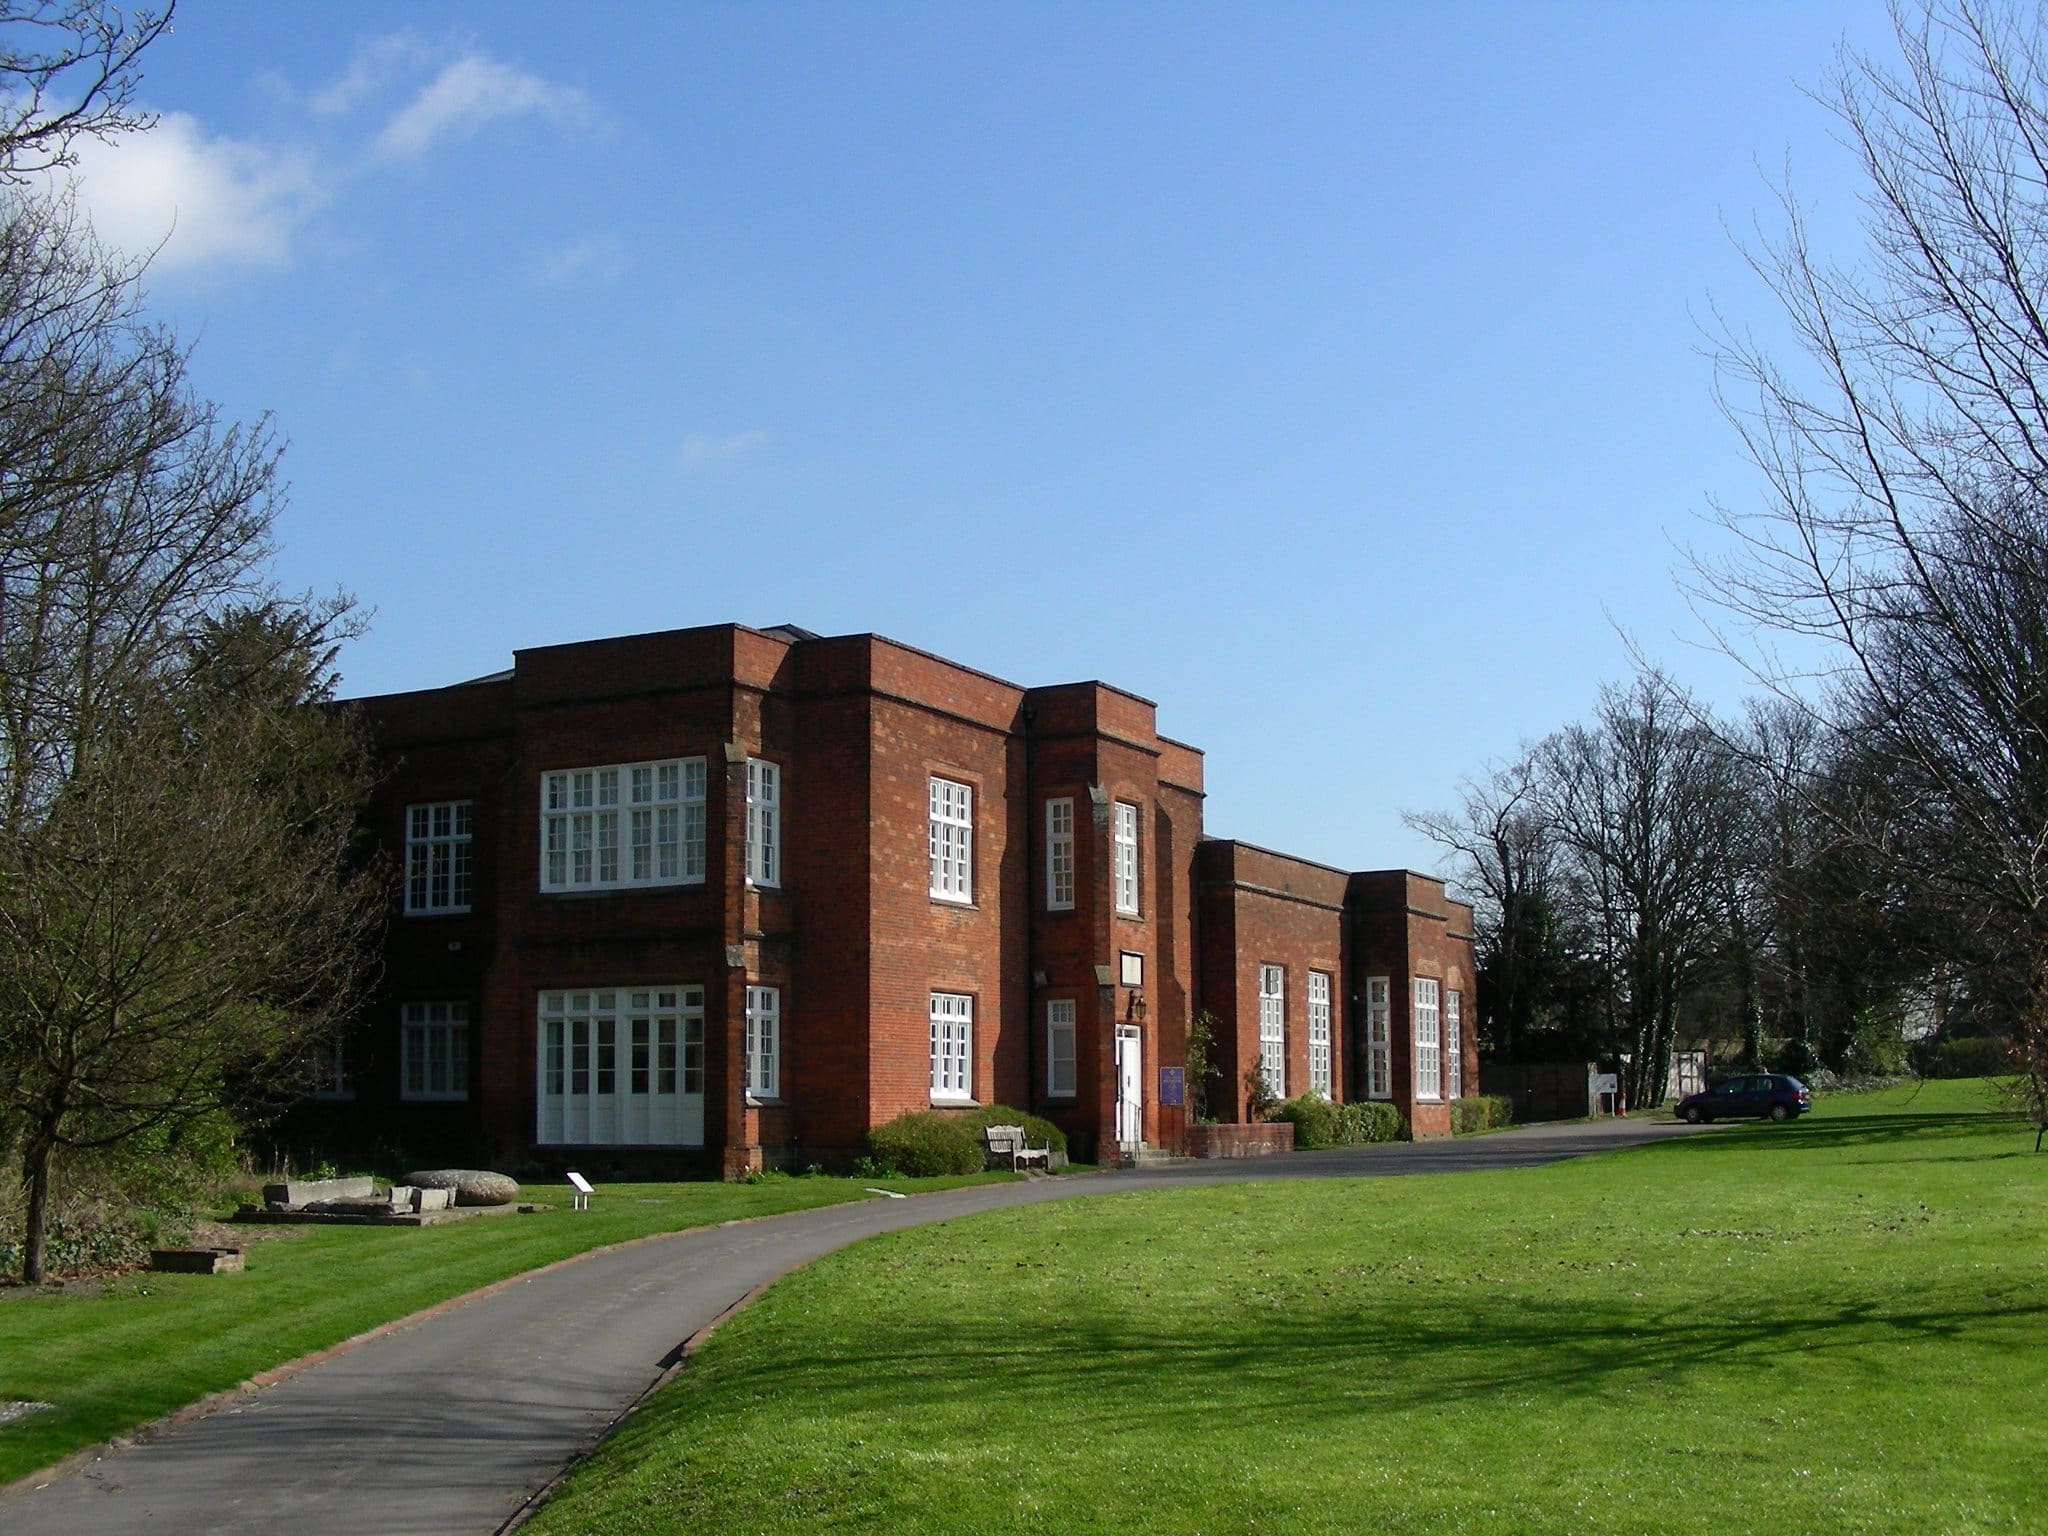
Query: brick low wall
{"x": 1239, "y": 1140}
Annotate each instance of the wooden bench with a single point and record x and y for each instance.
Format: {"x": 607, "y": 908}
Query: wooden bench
{"x": 1010, "y": 1141}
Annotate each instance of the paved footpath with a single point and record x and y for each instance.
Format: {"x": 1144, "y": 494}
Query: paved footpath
{"x": 450, "y": 1425}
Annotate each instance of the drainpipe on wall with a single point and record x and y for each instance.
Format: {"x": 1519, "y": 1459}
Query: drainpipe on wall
{"x": 1031, "y": 1089}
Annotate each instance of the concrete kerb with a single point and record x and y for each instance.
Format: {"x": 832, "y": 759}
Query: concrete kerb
{"x": 214, "y": 1402}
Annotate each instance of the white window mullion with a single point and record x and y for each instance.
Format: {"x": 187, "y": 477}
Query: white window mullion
{"x": 1059, "y": 855}
{"x": 1126, "y": 864}
{"x": 764, "y": 1042}
{"x": 1429, "y": 1082}
{"x": 1319, "y": 1053}
{"x": 1060, "y": 1080}
{"x": 952, "y": 1018}
{"x": 1454, "y": 1045}
{"x": 952, "y": 841}
{"x": 1379, "y": 1039}
{"x": 621, "y": 826}
{"x": 1273, "y": 1029}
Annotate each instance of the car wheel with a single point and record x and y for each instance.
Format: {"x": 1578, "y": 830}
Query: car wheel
{"x": 1780, "y": 1113}
{"x": 1693, "y": 1115}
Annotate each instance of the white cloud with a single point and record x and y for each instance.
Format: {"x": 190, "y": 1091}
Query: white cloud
{"x": 202, "y": 201}
{"x": 375, "y": 65}
{"x": 470, "y": 92}
{"x": 700, "y": 451}
{"x": 597, "y": 258}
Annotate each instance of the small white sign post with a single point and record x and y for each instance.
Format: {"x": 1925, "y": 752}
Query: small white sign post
{"x": 580, "y": 1201}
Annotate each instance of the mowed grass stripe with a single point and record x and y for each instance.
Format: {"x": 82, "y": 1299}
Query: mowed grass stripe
{"x": 1840, "y": 1325}
{"x": 115, "y": 1357}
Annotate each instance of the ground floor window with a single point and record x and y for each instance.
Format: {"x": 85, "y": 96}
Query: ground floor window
{"x": 1429, "y": 1082}
{"x": 1454, "y": 1045}
{"x": 952, "y": 1046}
{"x": 1059, "y": 1048}
{"x": 1319, "y": 1032}
{"x": 433, "y": 1051}
{"x": 1379, "y": 1038}
{"x": 764, "y": 1042}
{"x": 622, "y": 1066}
{"x": 1273, "y": 1029}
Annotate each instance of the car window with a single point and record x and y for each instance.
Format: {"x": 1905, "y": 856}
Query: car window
{"x": 1733, "y": 1085}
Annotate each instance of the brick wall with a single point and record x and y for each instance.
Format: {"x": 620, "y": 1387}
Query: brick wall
{"x": 852, "y": 937}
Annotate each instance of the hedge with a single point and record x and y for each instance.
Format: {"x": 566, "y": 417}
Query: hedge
{"x": 927, "y": 1144}
{"x": 1972, "y": 1056}
{"x": 924, "y": 1145}
{"x": 1481, "y": 1112}
{"x": 1319, "y": 1123}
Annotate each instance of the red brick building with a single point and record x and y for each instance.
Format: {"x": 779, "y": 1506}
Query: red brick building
{"x": 725, "y": 897}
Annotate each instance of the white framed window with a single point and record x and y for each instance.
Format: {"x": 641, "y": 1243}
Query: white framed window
{"x": 1454, "y": 1045}
{"x": 1126, "y": 857}
{"x": 1319, "y": 1032}
{"x": 764, "y": 822}
{"x": 1429, "y": 1067}
{"x": 437, "y": 841}
{"x": 1059, "y": 855}
{"x": 621, "y": 1066}
{"x": 764, "y": 1042}
{"x": 330, "y": 1069}
{"x": 1379, "y": 1038}
{"x": 952, "y": 1047}
{"x": 952, "y": 840}
{"x": 433, "y": 1051}
{"x": 1060, "y": 1077}
{"x": 623, "y": 825}
{"x": 1273, "y": 1029}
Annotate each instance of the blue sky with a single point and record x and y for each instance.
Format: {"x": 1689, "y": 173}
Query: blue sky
{"x": 1331, "y": 375}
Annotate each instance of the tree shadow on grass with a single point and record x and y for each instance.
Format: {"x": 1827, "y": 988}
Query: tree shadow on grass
{"x": 1830, "y": 1131}
{"x": 1302, "y": 1363}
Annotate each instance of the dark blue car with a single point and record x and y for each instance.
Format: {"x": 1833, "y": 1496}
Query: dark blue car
{"x": 1762, "y": 1095}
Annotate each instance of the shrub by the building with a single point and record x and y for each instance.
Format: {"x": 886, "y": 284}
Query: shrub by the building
{"x": 1319, "y": 1123}
{"x": 1481, "y": 1112}
{"x": 926, "y": 1144}
{"x": 1038, "y": 1132}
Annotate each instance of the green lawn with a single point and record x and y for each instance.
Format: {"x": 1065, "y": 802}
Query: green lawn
{"x": 112, "y": 1358}
{"x": 1835, "y": 1326}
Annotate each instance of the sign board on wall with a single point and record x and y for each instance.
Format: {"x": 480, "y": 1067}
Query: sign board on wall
{"x": 1172, "y": 1085}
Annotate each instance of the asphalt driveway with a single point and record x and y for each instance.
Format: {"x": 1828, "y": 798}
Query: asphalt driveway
{"x": 451, "y": 1424}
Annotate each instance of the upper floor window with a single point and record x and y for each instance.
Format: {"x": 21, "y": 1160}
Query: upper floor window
{"x": 1059, "y": 855}
{"x": 1319, "y": 1074}
{"x": 1273, "y": 1029}
{"x": 952, "y": 840}
{"x": 624, "y": 825}
{"x": 437, "y": 857}
{"x": 1126, "y": 857}
{"x": 764, "y": 1042}
{"x": 1379, "y": 1038}
{"x": 1454, "y": 1045}
{"x": 1429, "y": 1082}
{"x": 434, "y": 1051}
{"x": 764, "y": 822}
{"x": 1059, "y": 1048}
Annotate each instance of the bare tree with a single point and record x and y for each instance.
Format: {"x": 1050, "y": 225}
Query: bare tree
{"x": 1646, "y": 802}
{"x": 68, "y": 68}
{"x": 1503, "y": 853}
{"x": 176, "y": 915}
{"x": 1903, "y": 534}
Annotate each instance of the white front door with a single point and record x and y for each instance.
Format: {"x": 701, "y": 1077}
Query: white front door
{"x": 1130, "y": 1085}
